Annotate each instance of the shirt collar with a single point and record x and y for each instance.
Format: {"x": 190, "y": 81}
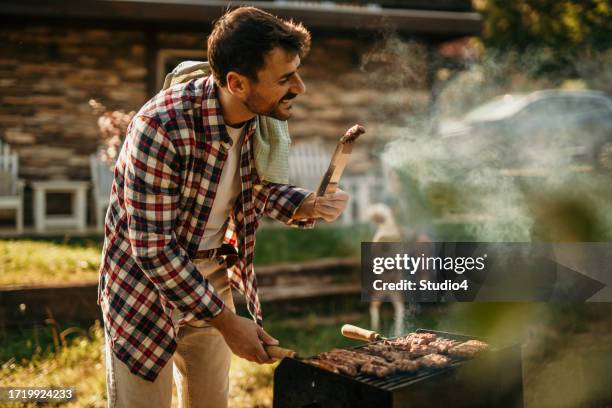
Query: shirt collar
{"x": 212, "y": 114}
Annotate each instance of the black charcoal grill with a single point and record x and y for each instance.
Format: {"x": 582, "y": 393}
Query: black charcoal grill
{"x": 493, "y": 378}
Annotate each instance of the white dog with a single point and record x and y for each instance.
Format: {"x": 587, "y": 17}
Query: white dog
{"x": 387, "y": 230}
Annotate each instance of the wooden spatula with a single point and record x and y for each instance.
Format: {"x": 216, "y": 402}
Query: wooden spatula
{"x": 329, "y": 183}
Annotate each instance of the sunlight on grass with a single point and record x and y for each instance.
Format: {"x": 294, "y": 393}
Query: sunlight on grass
{"x": 250, "y": 384}
{"x": 79, "y": 365}
{"x": 26, "y": 262}
{"x": 30, "y": 262}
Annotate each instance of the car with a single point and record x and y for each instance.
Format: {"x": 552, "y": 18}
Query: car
{"x": 542, "y": 128}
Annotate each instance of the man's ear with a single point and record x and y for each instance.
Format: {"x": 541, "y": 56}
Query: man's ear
{"x": 238, "y": 85}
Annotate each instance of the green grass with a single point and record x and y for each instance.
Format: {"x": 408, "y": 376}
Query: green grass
{"x": 56, "y": 260}
{"x": 75, "y": 362}
{"x": 31, "y": 357}
{"x": 558, "y": 340}
{"x": 32, "y": 262}
{"x": 23, "y": 343}
{"x": 281, "y": 244}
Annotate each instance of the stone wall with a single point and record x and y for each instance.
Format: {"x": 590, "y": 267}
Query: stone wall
{"x": 48, "y": 74}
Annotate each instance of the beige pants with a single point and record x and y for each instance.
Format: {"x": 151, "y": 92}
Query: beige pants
{"x": 200, "y": 364}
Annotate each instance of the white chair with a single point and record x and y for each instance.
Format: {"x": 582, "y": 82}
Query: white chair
{"x": 11, "y": 188}
{"x": 102, "y": 178}
{"x": 308, "y": 162}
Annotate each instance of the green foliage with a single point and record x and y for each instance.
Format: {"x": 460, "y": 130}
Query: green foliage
{"x": 552, "y": 40}
{"x": 564, "y": 25}
{"x": 276, "y": 245}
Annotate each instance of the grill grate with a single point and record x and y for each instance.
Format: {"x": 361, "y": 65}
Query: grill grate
{"x": 491, "y": 379}
{"x": 402, "y": 379}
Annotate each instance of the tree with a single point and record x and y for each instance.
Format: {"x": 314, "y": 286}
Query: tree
{"x": 568, "y": 26}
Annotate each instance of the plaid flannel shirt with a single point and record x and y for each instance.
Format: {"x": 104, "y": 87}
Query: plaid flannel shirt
{"x": 166, "y": 178}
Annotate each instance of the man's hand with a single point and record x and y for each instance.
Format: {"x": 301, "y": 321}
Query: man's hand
{"x": 328, "y": 207}
{"x": 243, "y": 336}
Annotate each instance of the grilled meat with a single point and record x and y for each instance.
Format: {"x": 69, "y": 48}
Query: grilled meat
{"x": 378, "y": 349}
{"x": 376, "y": 369}
{"x": 336, "y": 365}
{"x": 407, "y": 366}
{"x": 444, "y": 345}
{"x": 477, "y": 343}
{"x": 434, "y": 361}
{"x": 424, "y": 338}
{"x": 468, "y": 349}
{"x": 324, "y": 365}
{"x": 396, "y": 355}
{"x": 419, "y": 350}
{"x": 406, "y": 354}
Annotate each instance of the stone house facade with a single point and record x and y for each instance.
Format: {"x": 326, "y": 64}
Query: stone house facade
{"x": 367, "y": 65}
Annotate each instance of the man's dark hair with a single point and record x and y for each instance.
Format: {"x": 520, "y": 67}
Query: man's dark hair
{"x": 241, "y": 39}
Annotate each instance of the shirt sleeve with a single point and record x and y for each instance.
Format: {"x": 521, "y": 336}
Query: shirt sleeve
{"x": 152, "y": 192}
{"x": 282, "y": 203}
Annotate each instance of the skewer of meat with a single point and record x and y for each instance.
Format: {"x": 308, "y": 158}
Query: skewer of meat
{"x": 434, "y": 361}
{"x": 325, "y": 365}
{"x": 335, "y": 365}
{"x": 407, "y": 366}
{"x": 376, "y": 369}
{"x": 343, "y": 354}
{"x": 418, "y": 350}
{"x": 396, "y": 355}
{"x": 444, "y": 345}
{"x": 468, "y": 349}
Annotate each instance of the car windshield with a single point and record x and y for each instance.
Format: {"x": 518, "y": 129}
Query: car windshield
{"x": 498, "y": 108}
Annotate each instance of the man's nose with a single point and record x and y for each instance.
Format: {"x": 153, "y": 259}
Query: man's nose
{"x": 298, "y": 86}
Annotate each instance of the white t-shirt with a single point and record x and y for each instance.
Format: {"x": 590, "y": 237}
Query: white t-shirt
{"x": 227, "y": 193}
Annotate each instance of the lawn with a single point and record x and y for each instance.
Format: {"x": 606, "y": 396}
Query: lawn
{"x": 32, "y": 357}
{"x": 566, "y": 351}
{"x": 34, "y": 262}
{"x": 566, "y": 348}
{"x": 60, "y": 260}
{"x": 50, "y": 260}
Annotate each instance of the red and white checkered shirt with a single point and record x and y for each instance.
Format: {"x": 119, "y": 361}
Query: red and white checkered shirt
{"x": 166, "y": 178}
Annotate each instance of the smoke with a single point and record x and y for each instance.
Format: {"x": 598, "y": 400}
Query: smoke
{"x": 527, "y": 181}
{"x": 489, "y": 175}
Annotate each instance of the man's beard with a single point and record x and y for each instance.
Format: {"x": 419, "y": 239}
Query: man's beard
{"x": 256, "y": 105}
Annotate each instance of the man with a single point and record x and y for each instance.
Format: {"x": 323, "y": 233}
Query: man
{"x": 186, "y": 183}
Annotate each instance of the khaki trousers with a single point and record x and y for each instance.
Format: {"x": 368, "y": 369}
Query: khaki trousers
{"x": 200, "y": 365}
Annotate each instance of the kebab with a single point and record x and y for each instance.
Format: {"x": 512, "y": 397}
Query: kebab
{"x": 405, "y": 354}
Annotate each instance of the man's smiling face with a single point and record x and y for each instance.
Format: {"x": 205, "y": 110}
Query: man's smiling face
{"x": 278, "y": 83}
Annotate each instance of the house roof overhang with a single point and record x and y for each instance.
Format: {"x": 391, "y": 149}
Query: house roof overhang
{"x": 323, "y": 16}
